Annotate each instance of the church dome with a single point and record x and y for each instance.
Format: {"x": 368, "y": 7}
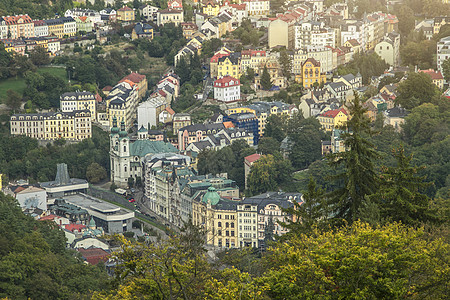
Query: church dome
{"x": 211, "y": 196}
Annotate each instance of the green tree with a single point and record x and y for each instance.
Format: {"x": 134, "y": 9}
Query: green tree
{"x": 417, "y": 89}
{"x": 268, "y": 145}
{"x": 275, "y": 127}
{"x": 398, "y": 194}
{"x": 359, "y": 177}
{"x": 358, "y": 262}
{"x": 446, "y": 69}
{"x": 266, "y": 81}
{"x": 13, "y": 100}
{"x": 309, "y": 212}
{"x": 406, "y": 21}
{"x": 95, "y": 173}
{"x": 39, "y": 56}
{"x": 286, "y": 64}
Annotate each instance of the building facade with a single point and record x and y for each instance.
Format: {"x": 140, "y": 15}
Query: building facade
{"x": 72, "y": 101}
{"x": 227, "y": 89}
{"x": 72, "y": 126}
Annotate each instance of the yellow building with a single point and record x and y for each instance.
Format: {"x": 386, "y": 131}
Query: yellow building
{"x": 333, "y": 118}
{"x": 311, "y": 74}
{"x": 229, "y": 65}
{"x": 125, "y": 14}
{"x": 211, "y": 8}
{"x": 55, "y": 27}
{"x": 74, "y": 126}
{"x": 217, "y": 216}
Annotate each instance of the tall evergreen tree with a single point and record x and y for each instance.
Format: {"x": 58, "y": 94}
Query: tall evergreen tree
{"x": 398, "y": 195}
{"x": 266, "y": 81}
{"x": 359, "y": 178}
{"x": 308, "y": 214}
{"x": 286, "y": 64}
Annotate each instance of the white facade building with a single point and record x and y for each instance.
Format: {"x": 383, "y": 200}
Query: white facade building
{"x": 257, "y": 7}
{"x": 40, "y": 28}
{"x": 324, "y": 55}
{"x": 148, "y": 112}
{"x": 227, "y": 89}
{"x": 78, "y": 101}
{"x": 313, "y": 34}
{"x": 443, "y": 52}
{"x": 248, "y": 227}
{"x": 70, "y": 26}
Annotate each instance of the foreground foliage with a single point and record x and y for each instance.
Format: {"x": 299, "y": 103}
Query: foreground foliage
{"x": 34, "y": 263}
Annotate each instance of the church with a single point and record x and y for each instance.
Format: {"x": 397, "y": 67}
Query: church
{"x": 127, "y": 155}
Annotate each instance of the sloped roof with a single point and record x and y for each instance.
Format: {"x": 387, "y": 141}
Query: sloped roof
{"x": 134, "y": 77}
{"x": 253, "y": 157}
{"x": 333, "y": 113}
{"x": 125, "y": 8}
{"x": 142, "y": 148}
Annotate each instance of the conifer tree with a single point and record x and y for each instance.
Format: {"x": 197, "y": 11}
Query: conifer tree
{"x": 398, "y": 195}
{"x": 359, "y": 178}
{"x": 308, "y": 213}
{"x": 266, "y": 81}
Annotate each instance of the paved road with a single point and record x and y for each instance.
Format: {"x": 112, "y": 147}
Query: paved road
{"x": 207, "y": 88}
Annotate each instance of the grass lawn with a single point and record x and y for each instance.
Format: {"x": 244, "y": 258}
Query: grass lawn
{"x": 15, "y": 84}
{"x": 18, "y": 84}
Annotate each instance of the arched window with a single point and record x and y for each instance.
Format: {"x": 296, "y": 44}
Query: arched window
{"x": 219, "y": 224}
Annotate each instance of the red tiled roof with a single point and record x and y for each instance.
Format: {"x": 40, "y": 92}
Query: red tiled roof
{"x": 333, "y": 113}
{"x": 98, "y": 98}
{"x": 107, "y": 88}
{"x": 228, "y": 124}
{"x": 253, "y": 157}
{"x": 83, "y": 18}
{"x": 170, "y": 110}
{"x": 134, "y": 77}
{"x": 19, "y": 189}
{"x": 72, "y": 227}
{"x": 216, "y": 57}
{"x": 94, "y": 255}
{"x": 226, "y": 82}
{"x": 435, "y": 75}
{"x": 353, "y": 42}
{"x": 239, "y": 6}
{"x": 49, "y": 217}
{"x": 11, "y": 20}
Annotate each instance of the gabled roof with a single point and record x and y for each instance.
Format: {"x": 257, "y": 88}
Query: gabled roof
{"x": 226, "y": 81}
{"x": 313, "y": 61}
{"x": 353, "y": 42}
{"x": 142, "y": 148}
{"x": 134, "y": 77}
{"x": 435, "y": 75}
{"x": 333, "y": 113}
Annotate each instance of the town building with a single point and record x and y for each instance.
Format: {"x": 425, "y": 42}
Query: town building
{"x": 223, "y": 138}
{"x": 312, "y": 33}
{"x": 127, "y": 156}
{"x": 121, "y": 103}
{"x": 257, "y": 8}
{"x": 179, "y": 121}
{"x": 148, "y": 12}
{"x": 229, "y": 66}
{"x": 311, "y": 75}
{"x": 69, "y": 26}
{"x": 395, "y": 117}
{"x": 162, "y": 191}
{"x": 63, "y": 185}
{"x": 259, "y": 217}
{"x": 189, "y": 29}
{"x": 333, "y": 118}
{"x": 142, "y": 30}
{"x": 175, "y": 4}
{"x": 436, "y": 77}
{"x": 72, "y": 101}
{"x": 84, "y": 24}
{"x": 227, "y": 89}
{"x": 110, "y": 217}
{"x": 252, "y": 59}
{"x": 166, "y": 16}
{"x": 148, "y": 112}
{"x": 246, "y": 121}
{"x": 94, "y": 16}
{"x": 443, "y": 52}
{"x": 40, "y": 28}
{"x": 389, "y": 49}
{"x": 140, "y": 80}
{"x": 125, "y": 14}
{"x": 211, "y": 8}
{"x": 195, "y": 133}
{"x": 324, "y": 55}
{"x": 217, "y": 216}
{"x": 71, "y": 126}
{"x": 19, "y": 26}
{"x": 262, "y": 110}
{"x": 30, "y": 197}
{"x": 56, "y": 27}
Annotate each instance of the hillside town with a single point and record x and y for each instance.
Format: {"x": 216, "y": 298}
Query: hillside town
{"x": 139, "y": 119}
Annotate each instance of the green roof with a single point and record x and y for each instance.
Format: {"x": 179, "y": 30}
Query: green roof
{"x": 142, "y": 148}
{"x": 211, "y": 196}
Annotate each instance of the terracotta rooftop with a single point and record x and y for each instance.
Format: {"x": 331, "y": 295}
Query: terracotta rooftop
{"x": 333, "y": 113}
{"x": 253, "y": 157}
{"x": 134, "y": 77}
